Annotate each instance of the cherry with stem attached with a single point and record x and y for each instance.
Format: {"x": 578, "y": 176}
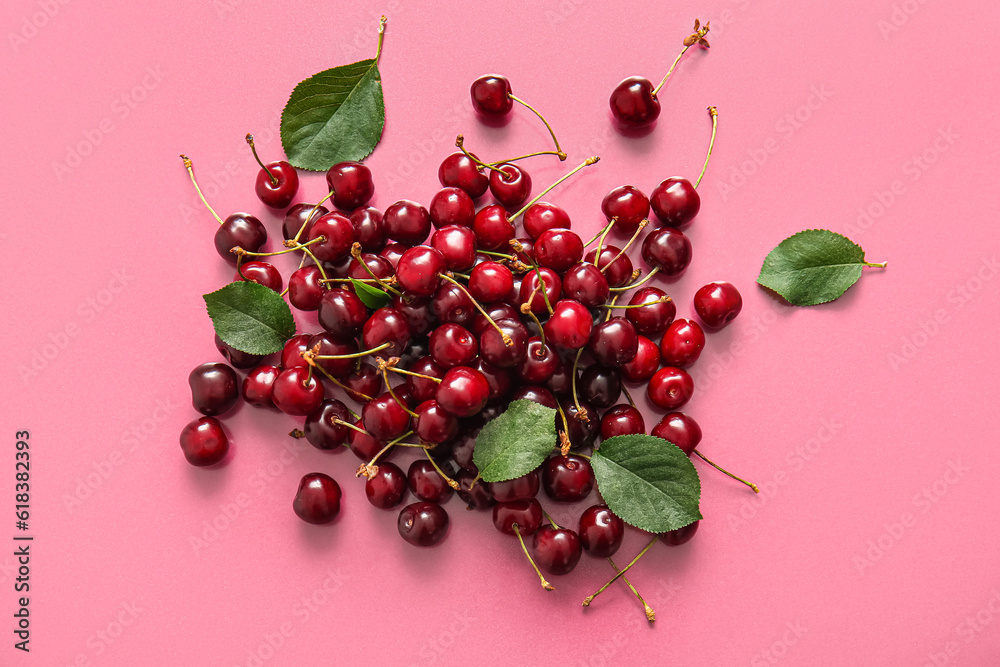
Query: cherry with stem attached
{"x": 277, "y": 182}
{"x": 676, "y": 201}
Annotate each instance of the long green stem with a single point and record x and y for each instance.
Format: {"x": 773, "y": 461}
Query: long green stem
{"x": 714, "y": 113}
{"x": 190, "y": 169}
{"x": 621, "y": 573}
{"x": 586, "y": 163}
{"x": 560, "y": 153}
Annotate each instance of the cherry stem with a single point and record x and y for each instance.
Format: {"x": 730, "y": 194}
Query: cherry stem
{"x": 190, "y": 169}
{"x": 381, "y": 36}
{"x": 621, "y": 573}
{"x": 611, "y": 306}
{"x": 602, "y": 232}
{"x": 664, "y": 299}
{"x": 496, "y": 254}
{"x": 565, "y": 446}
{"x": 648, "y": 277}
{"x": 880, "y": 265}
{"x": 726, "y": 472}
{"x": 650, "y": 614}
{"x": 406, "y": 409}
{"x": 356, "y": 254}
{"x": 559, "y": 151}
{"x": 389, "y": 445}
{"x": 237, "y": 250}
{"x": 546, "y": 585}
{"x": 628, "y": 395}
{"x": 554, "y": 524}
{"x": 516, "y": 245}
{"x": 239, "y": 264}
{"x": 688, "y": 43}
{"x": 452, "y": 483}
{"x": 311, "y": 214}
{"x": 526, "y": 310}
{"x": 319, "y": 265}
{"x": 562, "y": 156}
{"x": 460, "y": 144}
{"x": 714, "y": 113}
{"x": 600, "y": 242}
{"x": 349, "y": 425}
{"x": 581, "y": 412}
{"x": 274, "y": 181}
{"x": 353, "y": 355}
{"x": 419, "y": 375}
{"x": 350, "y": 392}
{"x": 642, "y": 225}
{"x": 503, "y": 335}
{"x": 586, "y": 163}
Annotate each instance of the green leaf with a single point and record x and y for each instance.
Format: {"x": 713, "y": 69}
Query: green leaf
{"x": 648, "y": 482}
{"x": 516, "y": 442}
{"x": 334, "y": 116}
{"x": 814, "y": 266}
{"x": 250, "y": 317}
{"x": 372, "y": 297}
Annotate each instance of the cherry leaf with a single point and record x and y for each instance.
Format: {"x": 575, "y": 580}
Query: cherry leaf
{"x": 250, "y": 317}
{"x": 372, "y": 297}
{"x": 516, "y": 442}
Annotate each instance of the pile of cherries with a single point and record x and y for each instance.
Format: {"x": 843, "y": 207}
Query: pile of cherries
{"x": 477, "y": 314}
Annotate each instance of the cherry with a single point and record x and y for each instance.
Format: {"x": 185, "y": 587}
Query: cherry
{"x": 237, "y": 358}
{"x": 567, "y": 479}
{"x": 363, "y": 383}
{"x": 634, "y": 103}
{"x": 536, "y": 393}
{"x": 464, "y": 446}
{"x": 525, "y": 514}
{"x": 305, "y": 291}
{"x": 407, "y": 222}
{"x": 463, "y": 391}
{"x": 617, "y": 269}
{"x": 342, "y": 313}
{"x": 453, "y": 345}
{"x": 330, "y": 345}
{"x": 524, "y": 487}
{"x": 542, "y": 216}
{"x": 494, "y": 348}
{"x": 387, "y": 487}
{"x": 377, "y": 266}
{"x": 558, "y": 249}
{"x": 627, "y": 205}
{"x": 570, "y": 325}
{"x": 461, "y": 171}
{"x": 491, "y": 95}
{"x": 317, "y": 499}
{"x": 490, "y": 281}
{"x": 417, "y": 311}
{"x": 622, "y": 419}
{"x": 338, "y": 232}
{"x": 557, "y": 550}
{"x": 675, "y": 201}
{"x": 585, "y": 283}
{"x": 393, "y": 252}
{"x": 204, "y": 442}
{"x": 512, "y": 188}
{"x": 418, "y": 269}
{"x": 601, "y": 532}
{"x": 457, "y": 245}
{"x": 497, "y": 310}
{"x": 421, "y": 388}
{"x": 561, "y": 381}
{"x": 493, "y": 229}
{"x": 368, "y": 231}
{"x": 324, "y": 427}
{"x": 718, "y": 303}
{"x": 539, "y": 363}
{"x": 277, "y": 182}
{"x": 298, "y": 216}
{"x": 613, "y": 342}
{"x": 670, "y": 388}
{"x": 645, "y": 362}
{"x": 351, "y": 184}
{"x": 386, "y": 325}
{"x": 296, "y": 393}
{"x": 364, "y": 446}
{"x": 423, "y": 524}
{"x": 215, "y": 388}
{"x": 239, "y": 229}
{"x": 667, "y": 250}
{"x": 452, "y": 206}
{"x": 427, "y": 483}
{"x": 680, "y": 536}
{"x": 261, "y": 273}
{"x": 433, "y": 425}
{"x": 653, "y": 318}
{"x": 682, "y": 343}
{"x": 581, "y": 433}
{"x": 291, "y": 353}
{"x": 552, "y": 287}
{"x": 501, "y": 379}
{"x": 452, "y": 304}
{"x": 679, "y": 429}
{"x": 257, "y": 385}
{"x": 476, "y": 497}
{"x": 384, "y": 418}
{"x": 601, "y": 387}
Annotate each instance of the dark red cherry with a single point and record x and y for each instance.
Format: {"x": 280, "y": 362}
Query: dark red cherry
{"x": 535, "y": 392}
{"x": 493, "y": 230}
{"x": 261, "y": 273}
{"x": 363, "y": 383}
{"x": 491, "y": 95}
{"x": 215, "y": 388}
{"x": 423, "y": 389}
{"x": 617, "y": 268}
{"x": 558, "y": 249}
{"x": 237, "y": 358}
{"x": 542, "y": 216}
{"x": 277, "y": 185}
{"x": 644, "y": 363}
{"x": 324, "y": 427}
{"x": 675, "y": 202}
{"x": 585, "y": 283}
{"x": 351, "y": 183}
{"x": 463, "y": 391}
{"x": 567, "y": 479}
{"x": 329, "y": 346}
{"x": 633, "y": 103}
{"x": 384, "y": 418}
{"x": 452, "y": 304}
{"x": 368, "y": 230}
{"x": 239, "y": 229}
{"x": 338, "y": 232}
{"x": 570, "y": 325}
{"x": 680, "y": 429}
{"x": 627, "y": 205}
{"x": 601, "y": 532}
{"x": 552, "y": 285}
{"x": 204, "y": 442}
{"x": 457, "y": 245}
{"x": 418, "y": 271}
{"x": 675, "y": 538}
{"x": 387, "y": 487}
{"x": 476, "y": 497}
{"x": 291, "y": 353}
{"x": 622, "y": 419}
{"x": 423, "y": 524}
{"x": 524, "y": 487}
{"x": 539, "y": 363}
{"x": 490, "y": 281}
{"x": 582, "y": 432}
{"x": 417, "y": 311}
{"x": 682, "y": 343}
{"x": 561, "y": 382}
{"x": 496, "y": 352}
{"x": 652, "y": 319}
{"x": 386, "y": 325}
{"x": 296, "y": 393}
{"x": 366, "y": 447}
{"x": 460, "y": 171}
{"x": 453, "y": 345}
{"x": 305, "y": 291}
{"x": 257, "y": 385}
{"x": 452, "y": 206}
{"x": 301, "y": 217}
{"x": 501, "y": 380}
{"x": 317, "y": 499}
{"x": 512, "y": 188}
{"x": 526, "y": 514}
{"x": 718, "y": 304}
{"x": 557, "y": 550}
{"x": 406, "y": 222}
{"x": 497, "y": 310}
{"x": 377, "y": 264}
{"x": 342, "y": 313}
{"x": 670, "y": 388}
{"x": 613, "y": 342}
{"x": 426, "y": 483}
{"x": 668, "y": 250}
{"x": 599, "y": 386}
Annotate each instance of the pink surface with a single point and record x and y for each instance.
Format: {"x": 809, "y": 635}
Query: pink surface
{"x": 870, "y": 424}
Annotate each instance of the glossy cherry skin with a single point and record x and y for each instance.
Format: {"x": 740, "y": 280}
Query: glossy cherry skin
{"x": 680, "y": 429}
{"x": 215, "y": 388}
{"x": 258, "y": 384}
{"x": 423, "y": 524}
{"x": 613, "y": 342}
{"x": 476, "y": 497}
{"x": 524, "y": 487}
{"x": 425, "y": 482}
{"x": 558, "y": 249}
{"x": 493, "y": 230}
{"x": 457, "y": 245}
{"x": 387, "y": 487}
{"x": 463, "y": 391}
{"x": 628, "y": 206}
{"x": 539, "y": 363}
{"x": 497, "y": 310}
{"x": 490, "y": 281}
{"x": 451, "y": 304}
{"x": 513, "y": 188}
{"x": 645, "y": 362}
{"x": 406, "y": 222}
{"x": 617, "y": 268}
{"x": 363, "y": 383}
{"x": 622, "y": 419}
{"x": 317, "y": 499}
{"x": 305, "y": 291}
{"x": 496, "y": 352}
{"x": 453, "y": 345}
{"x": 667, "y": 249}
{"x": 567, "y": 479}
{"x": 570, "y": 325}
{"x": 386, "y": 325}
{"x": 291, "y": 353}
{"x": 675, "y": 201}
{"x": 342, "y": 313}
{"x": 585, "y": 283}
{"x": 237, "y": 358}
{"x": 299, "y": 216}
{"x": 364, "y": 446}
{"x": 239, "y": 229}
{"x": 332, "y": 346}
{"x": 277, "y": 185}
{"x": 652, "y": 319}
{"x": 351, "y": 183}
{"x": 452, "y": 206}
{"x": 434, "y": 425}
{"x": 261, "y": 273}
{"x": 368, "y": 231}
{"x": 204, "y": 442}
{"x": 675, "y": 538}
{"x": 557, "y": 550}
{"x": 525, "y": 514}
{"x": 418, "y": 271}
{"x": 460, "y": 171}
{"x": 378, "y": 266}
{"x": 384, "y": 418}
{"x": 420, "y": 388}
{"x": 682, "y": 343}
{"x": 561, "y": 382}
{"x": 601, "y": 532}
{"x": 670, "y": 388}
{"x": 581, "y": 433}
{"x": 324, "y": 428}
{"x": 599, "y": 386}
{"x": 294, "y": 395}
{"x": 552, "y": 286}
{"x": 633, "y": 103}
{"x": 536, "y": 393}
{"x": 491, "y": 95}
{"x": 718, "y": 304}
{"x": 338, "y": 232}
{"x": 542, "y": 216}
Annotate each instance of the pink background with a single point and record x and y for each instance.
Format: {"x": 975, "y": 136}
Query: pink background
{"x": 870, "y": 424}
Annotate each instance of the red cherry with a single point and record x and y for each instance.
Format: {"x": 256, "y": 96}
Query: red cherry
{"x": 678, "y": 537}
{"x": 633, "y": 103}
{"x": 718, "y": 304}
{"x": 295, "y": 393}
{"x": 557, "y": 550}
{"x": 463, "y": 391}
{"x": 261, "y": 273}
{"x": 652, "y": 319}
{"x": 627, "y": 206}
{"x": 558, "y": 249}
{"x": 601, "y": 532}
{"x": 670, "y": 388}
{"x": 460, "y": 171}
{"x": 317, "y": 499}
{"x": 491, "y": 95}
{"x": 679, "y": 429}
{"x": 675, "y": 201}
{"x": 622, "y": 419}
{"x": 542, "y": 216}
{"x": 667, "y": 249}
{"x": 682, "y": 343}
{"x": 490, "y": 281}
{"x": 418, "y": 270}
{"x": 493, "y": 229}
{"x": 351, "y": 184}
{"x": 570, "y": 325}
{"x": 512, "y": 188}
{"x": 457, "y": 245}
{"x": 204, "y": 442}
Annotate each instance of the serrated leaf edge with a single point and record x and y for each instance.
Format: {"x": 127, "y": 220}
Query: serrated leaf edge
{"x": 761, "y": 277}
